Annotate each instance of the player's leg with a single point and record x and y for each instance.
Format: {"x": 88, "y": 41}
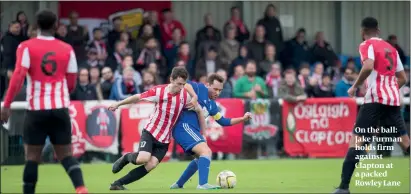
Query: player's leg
{"x": 158, "y": 153}
{"x": 137, "y": 158}
{"x": 60, "y": 137}
{"x": 146, "y": 149}
{"x": 187, "y": 139}
{"x": 368, "y": 115}
{"x": 393, "y": 115}
{"x": 204, "y": 154}
{"x": 34, "y": 137}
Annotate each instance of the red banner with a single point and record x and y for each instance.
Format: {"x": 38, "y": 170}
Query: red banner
{"x": 78, "y": 125}
{"x": 225, "y": 139}
{"x": 133, "y": 120}
{"x": 318, "y": 127}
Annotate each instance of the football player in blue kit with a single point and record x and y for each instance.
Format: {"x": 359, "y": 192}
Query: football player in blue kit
{"x": 187, "y": 131}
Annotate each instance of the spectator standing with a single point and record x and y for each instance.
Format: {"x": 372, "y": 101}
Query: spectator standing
{"x": 241, "y": 60}
{"x": 115, "y": 60}
{"x": 202, "y": 34}
{"x": 229, "y": 47}
{"x": 257, "y": 46}
{"x": 323, "y": 52}
{"x": 125, "y": 37}
{"x": 128, "y": 62}
{"x": 153, "y": 68}
{"x": 145, "y": 34}
{"x": 84, "y": 90}
{"x": 10, "y": 42}
{"x": 273, "y": 80}
{"x": 78, "y": 37}
{"x": 108, "y": 80}
{"x": 210, "y": 40}
{"x": 61, "y": 33}
{"x": 272, "y": 25}
{"x": 114, "y": 35}
{"x": 152, "y": 20}
{"x": 24, "y": 24}
{"x": 304, "y": 75}
{"x": 168, "y": 26}
{"x": 392, "y": 39}
{"x": 345, "y": 83}
{"x": 209, "y": 64}
{"x": 269, "y": 59}
{"x": 297, "y": 50}
{"x": 99, "y": 45}
{"x": 124, "y": 86}
{"x": 150, "y": 54}
{"x": 238, "y": 73}
{"x": 324, "y": 89}
{"x": 184, "y": 58}
{"x": 92, "y": 60}
{"x": 290, "y": 90}
{"x": 227, "y": 91}
{"x": 149, "y": 81}
{"x": 250, "y": 86}
{"x": 171, "y": 49}
{"x": 235, "y": 21}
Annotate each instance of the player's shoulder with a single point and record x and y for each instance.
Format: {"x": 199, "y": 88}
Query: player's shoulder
{"x": 62, "y": 45}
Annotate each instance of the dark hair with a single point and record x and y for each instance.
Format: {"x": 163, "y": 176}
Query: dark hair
{"x": 97, "y": 29}
{"x": 301, "y": 30}
{"x": 18, "y": 14}
{"x": 369, "y": 24}
{"x": 251, "y": 61}
{"x": 82, "y": 69}
{"x": 325, "y": 75}
{"x": 212, "y": 48}
{"x": 166, "y": 10}
{"x": 46, "y": 20}
{"x": 304, "y": 65}
{"x": 183, "y": 43}
{"x": 128, "y": 56}
{"x": 214, "y": 76}
{"x": 150, "y": 38}
{"x": 14, "y": 22}
{"x": 179, "y": 72}
{"x": 392, "y": 36}
{"x": 289, "y": 70}
{"x": 116, "y": 18}
{"x": 233, "y": 8}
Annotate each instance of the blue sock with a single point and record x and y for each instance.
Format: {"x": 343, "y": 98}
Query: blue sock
{"x": 188, "y": 172}
{"x": 203, "y": 169}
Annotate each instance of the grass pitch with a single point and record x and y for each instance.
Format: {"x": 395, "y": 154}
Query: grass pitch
{"x": 253, "y": 176}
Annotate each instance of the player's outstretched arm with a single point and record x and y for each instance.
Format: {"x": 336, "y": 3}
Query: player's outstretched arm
{"x": 130, "y": 100}
{"x": 220, "y": 119}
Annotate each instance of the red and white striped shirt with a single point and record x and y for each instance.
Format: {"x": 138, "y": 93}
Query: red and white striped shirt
{"x": 382, "y": 86}
{"x": 51, "y": 69}
{"x": 167, "y": 110}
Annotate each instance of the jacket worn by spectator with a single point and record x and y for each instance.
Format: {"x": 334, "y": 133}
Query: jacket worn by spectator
{"x": 320, "y": 91}
{"x": 201, "y": 35}
{"x": 324, "y": 54}
{"x": 256, "y": 50}
{"x": 204, "y": 66}
{"x": 122, "y": 90}
{"x": 274, "y": 32}
{"x": 297, "y": 53}
{"x": 10, "y": 42}
{"x": 106, "y": 88}
{"x": 341, "y": 89}
{"x": 244, "y": 85}
{"x": 290, "y": 93}
{"x": 78, "y": 39}
{"x": 229, "y": 51}
{"x": 227, "y": 91}
{"x": 84, "y": 92}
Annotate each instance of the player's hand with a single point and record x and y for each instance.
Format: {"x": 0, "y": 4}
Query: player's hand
{"x": 247, "y": 116}
{"x": 351, "y": 91}
{"x": 5, "y": 114}
{"x": 113, "y": 107}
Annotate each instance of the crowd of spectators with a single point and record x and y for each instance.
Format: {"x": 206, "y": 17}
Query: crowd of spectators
{"x": 257, "y": 62}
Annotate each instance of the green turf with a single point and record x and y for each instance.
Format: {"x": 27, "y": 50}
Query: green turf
{"x": 269, "y": 176}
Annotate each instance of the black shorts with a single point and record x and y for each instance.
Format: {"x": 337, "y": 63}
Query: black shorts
{"x": 379, "y": 115}
{"x": 40, "y": 124}
{"x": 148, "y": 143}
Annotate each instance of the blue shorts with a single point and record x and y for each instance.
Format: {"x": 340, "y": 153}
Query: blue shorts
{"x": 187, "y": 136}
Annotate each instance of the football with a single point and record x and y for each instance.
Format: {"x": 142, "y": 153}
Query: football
{"x": 226, "y": 179}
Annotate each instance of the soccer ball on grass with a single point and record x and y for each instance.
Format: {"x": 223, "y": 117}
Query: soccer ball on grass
{"x": 226, "y": 179}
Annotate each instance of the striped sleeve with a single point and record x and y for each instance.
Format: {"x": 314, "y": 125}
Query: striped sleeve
{"x": 366, "y": 51}
{"x": 400, "y": 67}
{"x": 151, "y": 95}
